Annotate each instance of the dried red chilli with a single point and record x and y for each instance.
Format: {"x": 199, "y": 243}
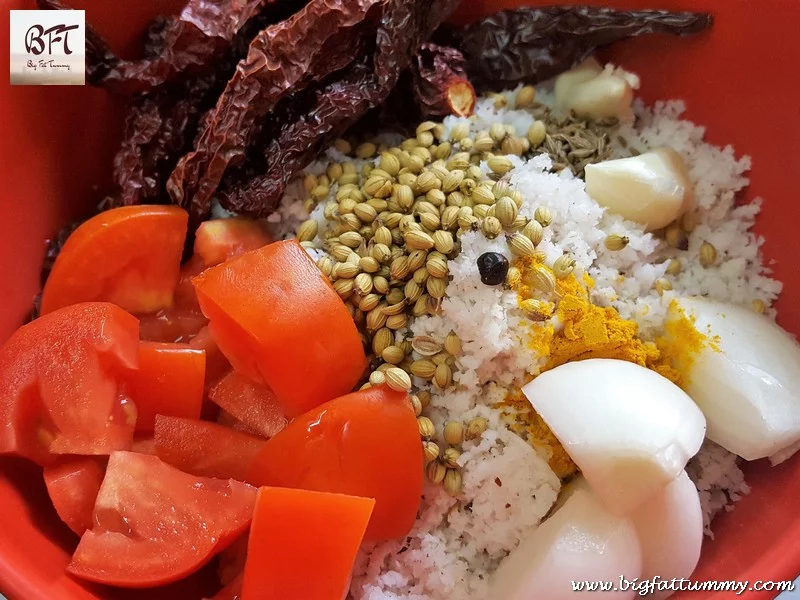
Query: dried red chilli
{"x": 534, "y": 44}
{"x": 159, "y": 128}
{"x": 337, "y": 104}
{"x": 440, "y": 82}
{"x": 191, "y": 41}
{"x": 282, "y": 59}
{"x": 162, "y": 124}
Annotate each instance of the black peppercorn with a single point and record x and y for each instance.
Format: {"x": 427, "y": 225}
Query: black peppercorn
{"x": 493, "y": 268}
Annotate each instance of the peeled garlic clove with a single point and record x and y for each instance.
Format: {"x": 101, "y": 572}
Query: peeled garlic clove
{"x": 652, "y": 189}
{"x": 581, "y": 541}
{"x": 629, "y": 430}
{"x": 591, "y": 91}
{"x": 567, "y": 81}
{"x": 670, "y": 529}
{"x": 603, "y": 97}
{"x": 749, "y": 386}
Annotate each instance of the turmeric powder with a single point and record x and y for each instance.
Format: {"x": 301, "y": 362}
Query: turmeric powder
{"x": 582, "y": 330}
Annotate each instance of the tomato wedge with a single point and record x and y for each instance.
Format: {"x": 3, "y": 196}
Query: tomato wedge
{"x": 169, "y": 381}
{"x": 129, "y": 256}
{"x": 73, "y": 487}
{"x": 144, "y": 445}
{"x": 184, "y": 319}
{"x": 216, "y": 363}
{"x": 61, "y": 383}
{"x": 253, "y": 405}
{"x": 204, "y": 448}
{"x": 154, "y": 524}
{"x": 363, "y": 444}
{"x": 279, "y": 321}
{"x": 289, "y": 526}
{"x": 219, "y": 240}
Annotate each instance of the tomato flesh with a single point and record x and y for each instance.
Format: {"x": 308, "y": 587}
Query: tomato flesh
{"x": 219, "y": 240}
{"x": 154, "y": 524}
{"x": 363, "y": 444}
{"x": 61, "y": 383}
{"x": 216, "y": 363}
{"x": 184, "y": 319}
{"x": 279, "y": 321}
{"x": 204, "y": 448}
{"x": 255, "y": 406}
{"x": 289, "y": 526}
{"x": 169, "y": 381}
{"x": 73, "y": 487}
{"x": 129, "y": 256}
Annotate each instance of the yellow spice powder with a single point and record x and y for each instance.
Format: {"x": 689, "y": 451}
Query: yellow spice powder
{"x": 589, "y": 331}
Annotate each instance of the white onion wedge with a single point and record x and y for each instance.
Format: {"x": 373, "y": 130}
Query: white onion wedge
{"x": 581, "y": 541}
{"x": 629, "y": 430}
{"x": 670, "y": 529}
{"x": 749, "y": 390}
{"x": 652, "y": 189}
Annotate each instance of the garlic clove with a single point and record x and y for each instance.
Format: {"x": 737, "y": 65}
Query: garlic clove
{"x": 591, "y": 91}
{"x": 581, "y": 541}
{"x": 603, "y": 97}
{"x": 670, "y": 529}
{"x": 653, "y": 188}
{"x": 629, "y": 430}
{"x": 748, "y": 385}
{"x": 567, "y": 81}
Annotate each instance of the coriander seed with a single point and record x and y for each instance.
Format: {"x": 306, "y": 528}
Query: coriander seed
{"x": 424, "y": 424}
{"x": 398, "y": 380}
{"x": 453, "y": 433}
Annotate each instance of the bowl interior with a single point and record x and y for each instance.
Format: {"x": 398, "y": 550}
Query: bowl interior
{"x": 56, "y": 154}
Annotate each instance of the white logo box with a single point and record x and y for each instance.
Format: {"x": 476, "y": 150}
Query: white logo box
{"x": 48, "y": 47}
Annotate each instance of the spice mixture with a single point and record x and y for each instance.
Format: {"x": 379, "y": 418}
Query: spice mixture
{"x": 471, "y": 261}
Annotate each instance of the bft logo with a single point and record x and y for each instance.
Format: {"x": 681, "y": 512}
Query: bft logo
{"x": 59, "y": 35}
{"x": 48, "y": 47}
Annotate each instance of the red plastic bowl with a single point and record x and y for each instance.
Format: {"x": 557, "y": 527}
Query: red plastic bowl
{"x": 739, "y": 80}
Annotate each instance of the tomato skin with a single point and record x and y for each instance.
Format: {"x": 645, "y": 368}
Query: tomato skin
{"x": 154, "y": 524}
{"x": 205, "y": 449}
{"x": 219, "y": 240}
{"x": 291, "y": 525}
{"x": 363, "y": 444}
{"x": 255, "y": 406}
{"x": 73, "y": 487}
{"x": 169, "y": 381}
{"x": 61, "y": 383}
{"x": 279, "y": 321}
{"x": 129, "y": 256}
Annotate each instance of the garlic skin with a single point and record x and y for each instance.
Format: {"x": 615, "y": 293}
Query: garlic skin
{"x": 670, "y": 529}
{"x": 591, "y": 91}
{"x": 581, "y": 541}
{"x": 629, "y": 430}
{"x": 652, "y": 189}
{"x": 749, "y": 387}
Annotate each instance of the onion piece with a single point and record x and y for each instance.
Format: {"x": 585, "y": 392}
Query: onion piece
{"x": 581, "y": 541}
{"x": 749, "y": 386}
{"x": 629, "y": 430}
